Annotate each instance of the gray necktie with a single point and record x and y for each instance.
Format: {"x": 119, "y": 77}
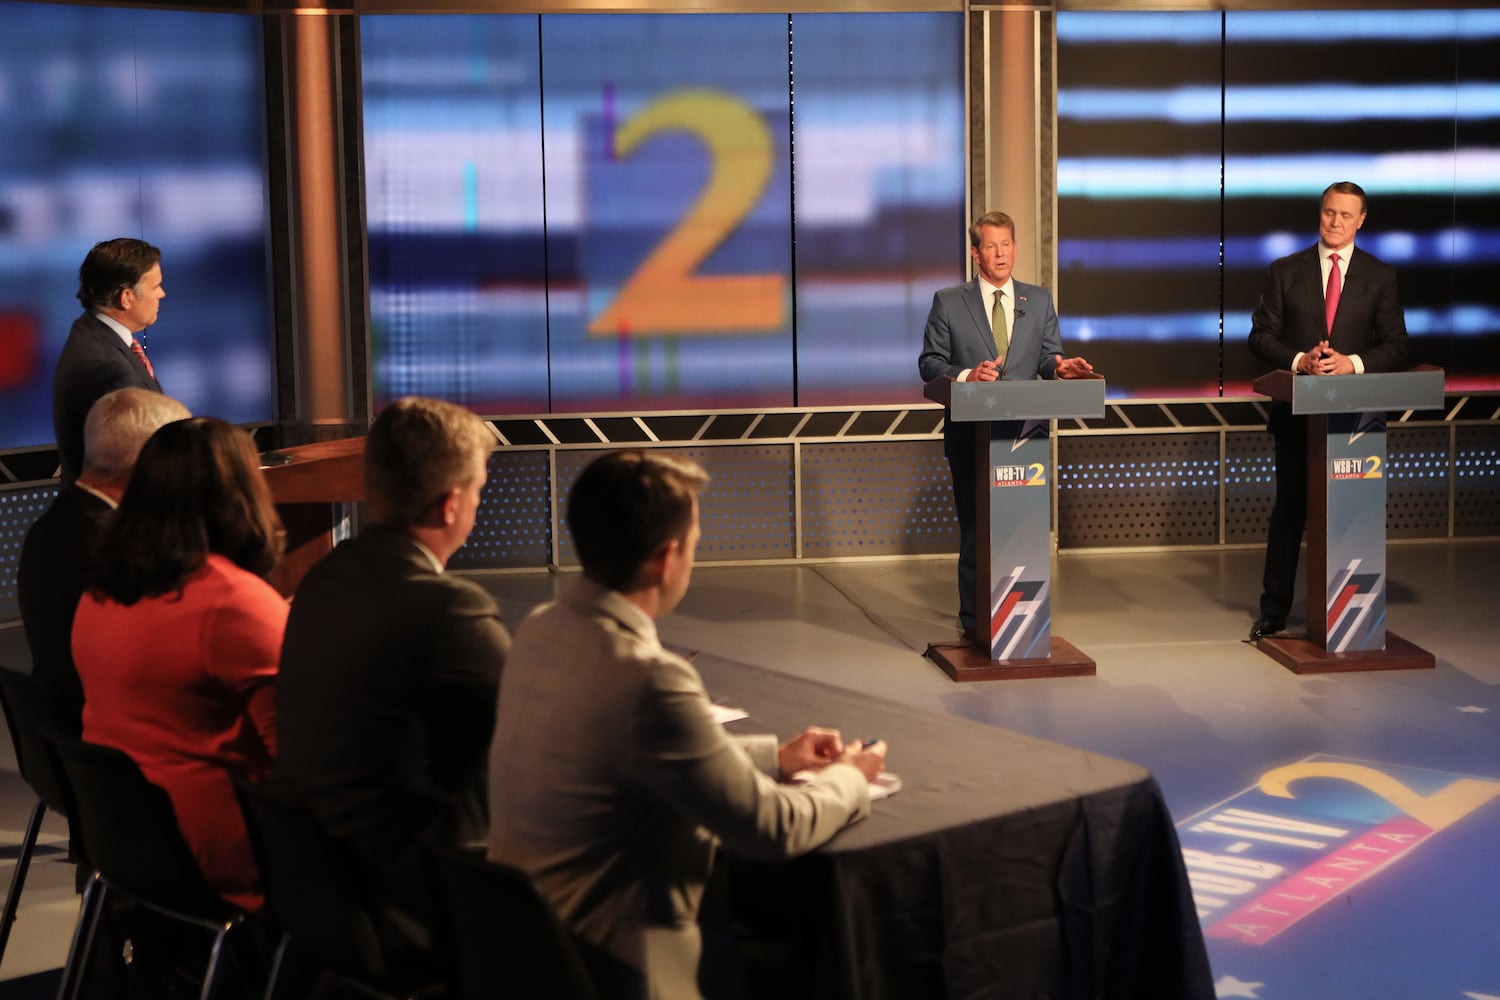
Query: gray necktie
{"x": 1000, "y": 324}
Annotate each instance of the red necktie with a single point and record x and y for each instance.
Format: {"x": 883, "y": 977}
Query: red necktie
{"x": 1335, "y": 288}
{"x": 140, "y": 352}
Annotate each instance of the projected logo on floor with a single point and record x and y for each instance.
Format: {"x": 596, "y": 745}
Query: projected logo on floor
{"x": 1307, "y": 833}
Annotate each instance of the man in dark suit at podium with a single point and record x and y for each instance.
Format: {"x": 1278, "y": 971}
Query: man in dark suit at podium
{"x": 1330, "y": 309}
{"x": 990, "y": 327}
{"x": 120, "y": 287}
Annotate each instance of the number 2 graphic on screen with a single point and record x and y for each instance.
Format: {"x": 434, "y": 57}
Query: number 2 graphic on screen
{"x": 665, "y": 295}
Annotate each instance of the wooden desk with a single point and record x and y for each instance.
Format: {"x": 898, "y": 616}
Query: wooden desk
{"x": 314, "y": 493}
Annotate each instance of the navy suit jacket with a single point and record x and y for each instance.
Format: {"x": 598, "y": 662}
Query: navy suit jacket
{"x": 385, "y": 706}
{"x": 57, "y": 559}
{"x": 94, "y": 361}
{"x": 1290, "y": 319}
{"x": 958, "y": 337}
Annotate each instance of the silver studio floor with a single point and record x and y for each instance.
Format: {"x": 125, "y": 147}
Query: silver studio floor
{"x": 1176, "y": 690}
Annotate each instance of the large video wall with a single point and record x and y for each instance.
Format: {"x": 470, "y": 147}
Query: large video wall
{"x": 607, "y": 212}
{"x": 1182, "y": 134}
{"x": 138, "y": 123}
{"x": 619, "y": 212}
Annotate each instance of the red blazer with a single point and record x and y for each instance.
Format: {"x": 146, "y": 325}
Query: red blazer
{"x": 183, "y": 684}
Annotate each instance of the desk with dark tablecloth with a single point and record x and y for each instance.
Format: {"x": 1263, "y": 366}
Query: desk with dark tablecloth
{"x": 1006, "y": 867}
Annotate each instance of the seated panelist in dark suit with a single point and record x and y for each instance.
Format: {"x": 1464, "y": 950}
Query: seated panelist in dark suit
{"x": 1331, "y": 309}
{"x": 990, "y": 327}
{"x": 120, "y": 286}
{"x": 57, "y": 556}
{"x": 390, "y": 667}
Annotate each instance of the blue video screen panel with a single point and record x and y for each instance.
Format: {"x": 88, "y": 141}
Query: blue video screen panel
{"x": 1229, "y": 128}
{"x": 880, "y": 197}
{"x": 631, "y": 212}
{"x": 677, "y": 146}
{"x": 454, "y": 209}
{"x": 134, "y": 123}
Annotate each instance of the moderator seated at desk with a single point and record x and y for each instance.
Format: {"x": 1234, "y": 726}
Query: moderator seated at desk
{"x": 1006, "y": 867}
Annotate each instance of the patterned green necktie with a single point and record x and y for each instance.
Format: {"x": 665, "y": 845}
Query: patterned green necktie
{"x": 1000, "y": 324}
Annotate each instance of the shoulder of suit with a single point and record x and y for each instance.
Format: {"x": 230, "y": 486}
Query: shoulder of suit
{"x": 972, "y": 285}
{"x": 1365, "y": 258}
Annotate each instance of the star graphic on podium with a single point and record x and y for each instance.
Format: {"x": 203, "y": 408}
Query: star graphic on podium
{"x": 1229, "y": 986}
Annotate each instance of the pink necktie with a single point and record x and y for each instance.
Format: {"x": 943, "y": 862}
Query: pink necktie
{"x": 140, "y": 352}
{"x": 1335, "y": 288}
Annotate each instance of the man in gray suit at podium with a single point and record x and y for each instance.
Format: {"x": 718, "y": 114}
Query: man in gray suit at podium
{"x": 990, "y": 327}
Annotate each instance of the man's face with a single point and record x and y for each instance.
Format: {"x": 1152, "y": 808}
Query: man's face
{"x": 677, "y": 573}
{"x": 140, "y": 304}
{"x": 996, "y": 254}
{"x": 1341, "y": 218}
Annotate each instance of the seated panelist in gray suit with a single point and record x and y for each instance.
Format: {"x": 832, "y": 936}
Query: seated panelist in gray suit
{"x": 611, "y": 783}
{"x": 990, "y": 327}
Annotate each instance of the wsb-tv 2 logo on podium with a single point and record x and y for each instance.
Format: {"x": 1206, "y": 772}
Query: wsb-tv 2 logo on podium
{"x": 1355, "y": 468}
{"x": 1020, "y": 475}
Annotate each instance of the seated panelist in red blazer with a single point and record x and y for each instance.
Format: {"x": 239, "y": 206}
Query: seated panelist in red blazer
{"x": 177, "y": 641}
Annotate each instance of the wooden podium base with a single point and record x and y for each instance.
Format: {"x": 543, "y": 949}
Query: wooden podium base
{"x": 963, "y": 661}
{"x": 1301, "y": 656}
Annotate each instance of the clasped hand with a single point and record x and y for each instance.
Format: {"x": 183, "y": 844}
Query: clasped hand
{"x": 1324, "y": 360}
{"x": 816, "y": 748}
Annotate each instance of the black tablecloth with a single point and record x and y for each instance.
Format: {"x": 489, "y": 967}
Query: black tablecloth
{"x": 1006, "y": 867}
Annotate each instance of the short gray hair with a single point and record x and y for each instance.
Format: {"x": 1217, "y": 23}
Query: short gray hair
{"x": 118, "y": 424}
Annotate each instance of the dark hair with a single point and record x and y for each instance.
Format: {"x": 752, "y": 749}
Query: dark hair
{"x": 416, "y": 451}
{"x": 111, "y": 267}
{"x": 196, "y": 490}
{"x": 1347, "y": 187}
{"x": 625, "y": 505}
{"x": 991, "y": 219}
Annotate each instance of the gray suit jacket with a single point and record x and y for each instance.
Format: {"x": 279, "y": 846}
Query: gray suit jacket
{"x": 958, "y": 336}
{"x": 610, "y": 783}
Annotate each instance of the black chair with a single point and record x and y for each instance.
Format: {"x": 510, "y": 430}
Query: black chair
{"x": 499, "y": 937}
{"x": 26, "y": 715}
{"x": 130, "y": 834}
{"x": 318, "y": 898}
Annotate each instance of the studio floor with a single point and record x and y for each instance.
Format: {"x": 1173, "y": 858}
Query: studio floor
{"x": 1343, "y": 830}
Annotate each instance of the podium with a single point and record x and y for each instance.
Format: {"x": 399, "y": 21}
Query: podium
{"x": 1013, "y": 486}
{"x": 314, "y": 486}
{"x": 1346, "y": 577}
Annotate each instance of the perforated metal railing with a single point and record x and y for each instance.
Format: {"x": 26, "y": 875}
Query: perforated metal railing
{"x": 862, "y": 482}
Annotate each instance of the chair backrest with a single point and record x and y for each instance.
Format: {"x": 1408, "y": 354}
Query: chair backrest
{"x": 129, "y": 829}
{"x": 500, "y": 936}
{"x": 312, "y": 888}
{"x": 27, "y": 715}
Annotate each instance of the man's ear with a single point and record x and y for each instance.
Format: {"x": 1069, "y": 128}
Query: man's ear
{"x": 447, "y": 507}
{"x": 654, "y": 570}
